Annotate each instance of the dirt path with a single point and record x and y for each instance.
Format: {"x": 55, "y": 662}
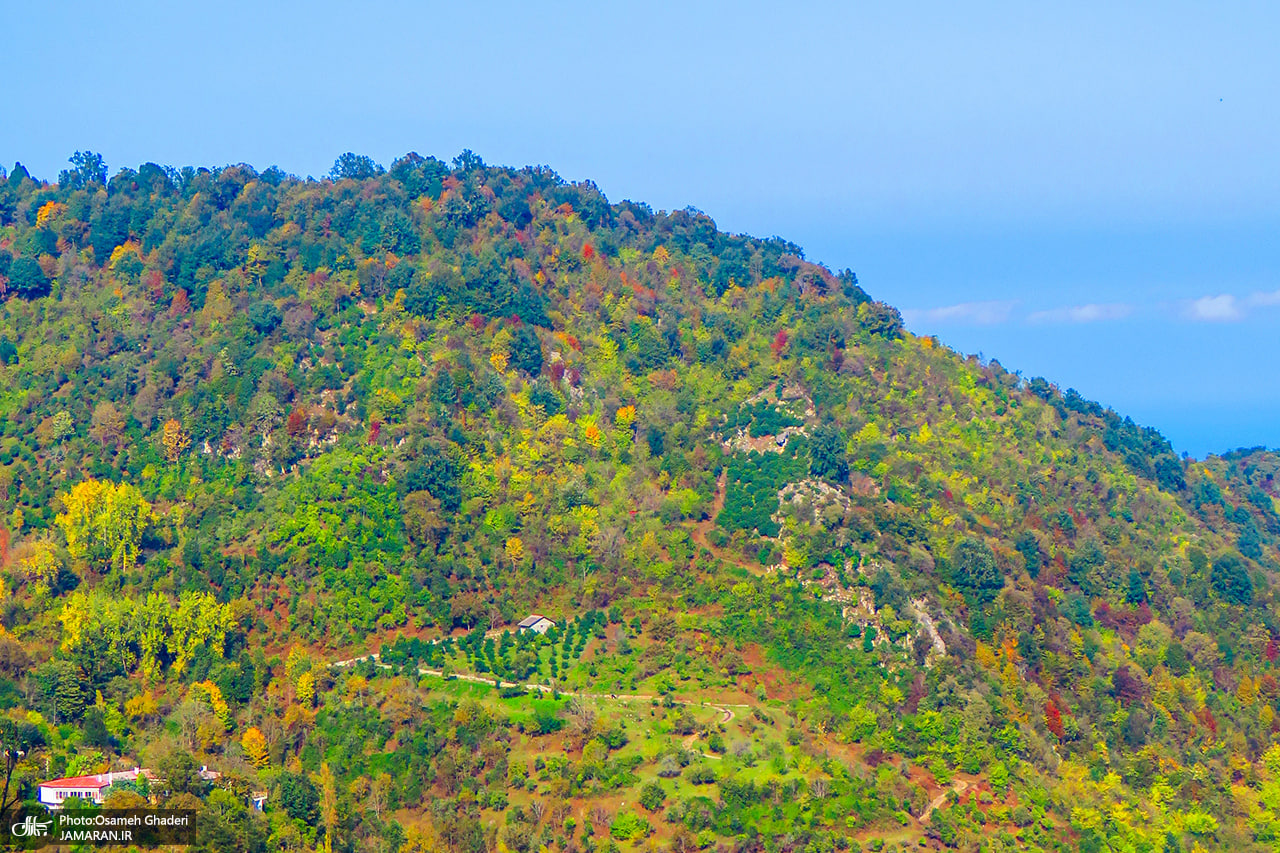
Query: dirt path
{"x": 702, "y": 528}
{"x": 724, "y": 708}
{"x": 688, "y": 741}
{"x": 959, "y": 786}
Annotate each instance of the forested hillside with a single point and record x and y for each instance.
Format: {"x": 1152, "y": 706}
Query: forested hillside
{"x": 819, "y": 583}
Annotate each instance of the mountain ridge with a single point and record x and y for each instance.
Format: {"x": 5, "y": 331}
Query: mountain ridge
{"x": 251, "y": 422}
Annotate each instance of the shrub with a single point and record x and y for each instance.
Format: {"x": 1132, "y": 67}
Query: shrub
{"x": 628, "y": 825}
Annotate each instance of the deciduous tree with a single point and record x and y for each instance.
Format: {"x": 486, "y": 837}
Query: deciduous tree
{"x": 174, "y": 440}
{"x": 254, "y": 745}
{"x": 104, "y": 522}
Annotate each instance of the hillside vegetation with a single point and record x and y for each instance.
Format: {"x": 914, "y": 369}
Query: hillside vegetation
{"x": 819, "y": 583}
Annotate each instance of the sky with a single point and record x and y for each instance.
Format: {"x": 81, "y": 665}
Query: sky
{"x": 1088, "y": 192}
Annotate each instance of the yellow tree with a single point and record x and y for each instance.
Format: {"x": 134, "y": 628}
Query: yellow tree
{"x": 306, "y": 688}
{"x": 210, "y": 693}
{"x": 198, "y": 621}
{"x": 255, "y": 747}
{"x": 39, "y": 565}
{"x": 174, "y": 439}
{"x": 104, "y": 522}
{"x": 142, "y": 708}
{"x": 48, "y": 213}
{"x": 1247, "y": 691}
{"x": 99, "y": 627}
{"x": 328, "y": 804}
{"x": 217, "y": 307}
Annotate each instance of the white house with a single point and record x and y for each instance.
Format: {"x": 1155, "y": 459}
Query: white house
{"x": 536, "y": 623}
{"x": 92, "y": 788}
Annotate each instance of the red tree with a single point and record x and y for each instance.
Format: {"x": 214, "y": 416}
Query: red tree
{"x": 1053, "y": 720}
{"x": 180, "y": 305}
{"x": 297, "y": 423}
{"x": 779, "y": 342}
{"x": 154, "y": 282}
{"x": 1205, "y": 716}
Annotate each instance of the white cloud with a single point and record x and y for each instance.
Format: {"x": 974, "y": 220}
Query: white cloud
{"x": 1091, "y": 313}
{"x": 1264, "y": 300}
{"x": 1215, "y": 309}
{"x": 964, "y": 314}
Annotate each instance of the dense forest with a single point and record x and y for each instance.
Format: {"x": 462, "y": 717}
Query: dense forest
{"x": 284, "y": 462}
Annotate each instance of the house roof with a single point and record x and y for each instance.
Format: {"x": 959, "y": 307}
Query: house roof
{"x": 531, "y": 620}
{"x": 97, "y": 781}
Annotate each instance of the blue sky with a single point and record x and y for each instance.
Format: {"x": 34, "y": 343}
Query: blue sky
{"x": 1088, "y": 191}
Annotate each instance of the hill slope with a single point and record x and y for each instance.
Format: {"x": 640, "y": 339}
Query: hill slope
{"x": 811, "y": 572}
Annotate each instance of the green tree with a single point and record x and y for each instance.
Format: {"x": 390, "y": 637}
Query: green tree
{"x": 264, "y": 317}
{"x": 356, "y": 167}
{"x": 628, "y": 826}
{"x": 298, "y": 797}
{"x": 1088, "y": 567}
{"x": 1029, "y": 547}
{"x": 179, "y": 774}
{"x": 64, "y": 688}
{"x": 975, "y": 571}
{"x": 95, "y": 729}
{"x": 226, "y": 824}
{"x": 1137, "y": 592}
{"x": 436, "y": 473}
{"x": 526, "y": 352}
{"x": 827, "y": 450}
{"x": 89, "y": 169}
{"x": 1230, "y": 579}
{"x": 27, "y": 280}
{"x": 879, "y": 319}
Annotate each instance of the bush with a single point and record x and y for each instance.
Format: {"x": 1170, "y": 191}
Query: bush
{"x": 628, "y": 825}
{"x": 702, "y": 775}
{"x": 545, "y": 717}
{"x": 652, "y": 796}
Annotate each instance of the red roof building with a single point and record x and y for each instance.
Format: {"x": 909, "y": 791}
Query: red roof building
{"x": 93, "y": 788}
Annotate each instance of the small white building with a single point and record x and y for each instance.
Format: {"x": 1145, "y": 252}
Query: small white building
{"x": 537, "y": 623}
